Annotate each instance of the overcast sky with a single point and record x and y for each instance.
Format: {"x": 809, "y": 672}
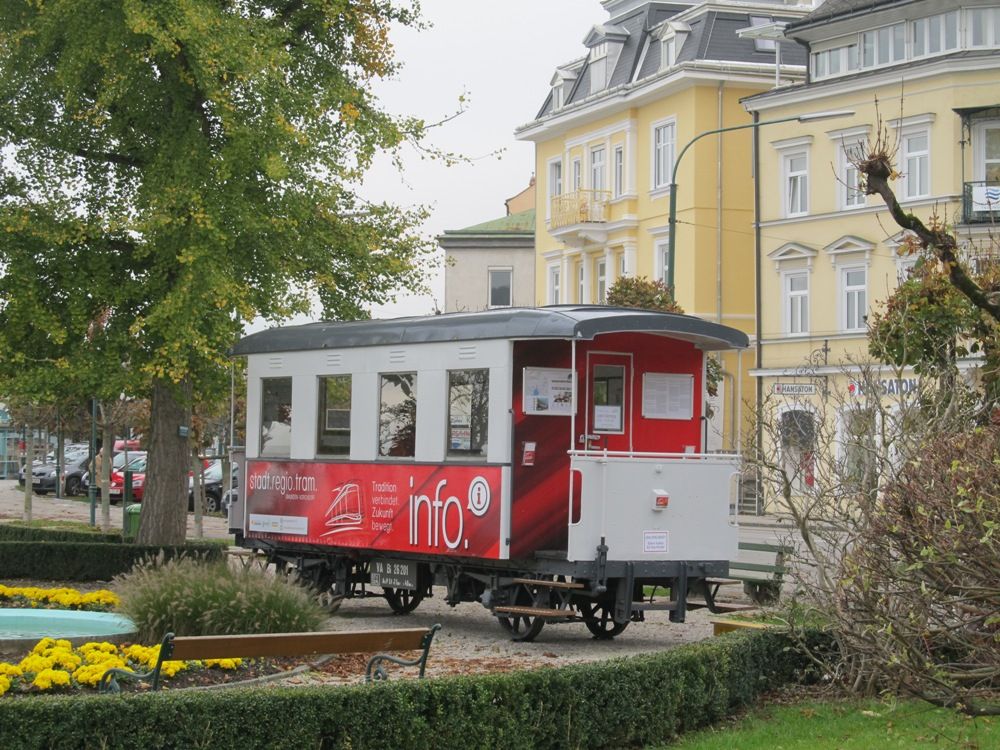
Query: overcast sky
{"x": 501, "y": 55}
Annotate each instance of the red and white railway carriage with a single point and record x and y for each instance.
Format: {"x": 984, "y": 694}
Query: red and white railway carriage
{"x": 545, "y": 462}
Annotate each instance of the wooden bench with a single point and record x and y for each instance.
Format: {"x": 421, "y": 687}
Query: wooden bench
{"x": 186, "y": 648}
{"x": 760, "y": 567}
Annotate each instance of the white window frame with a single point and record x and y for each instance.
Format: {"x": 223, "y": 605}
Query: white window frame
{"x": 580, "y": 280}
{"x": 557, "y": 96}
{"x": 887, "y": 43}
{"x": 555, "y": 183}
{"x": 799, "y": 484}
{"x": 915, "y": 186}
{"x": 618, "y": 167}
{"x": 601, "y": 272}
{"x": 598, "y": 67}
{"x": 661, "y": 262}
{"x": 983, "y": 27}
{"x": 856, "y": 290}
{"x": 795, "y": 301}
{"x": 663, "y": 148}
{"x": 979, "y": 148}
{"x": 489, "y": 285}
{"x": 598, "y": 167}
{"x": 577, "y": 174}
{"x": 552, "y": 278}
{"x": 762, "y": 45}
{"x": 796, "y": 182}
{"x": 851, "y": 196}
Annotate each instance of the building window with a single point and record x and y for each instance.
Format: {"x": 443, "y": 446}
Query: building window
{"x": 855, "y": 304}
{"x": 661, "y": 259}
{"x": 858, "y": 447}
{"x": 619, "y": 167}
{"x": 500, "y": 287}
{"x": 553, "y": 285}
{"x": 668, "y": 52}
{"x": 276, "y": 417}
{"x": 598, "y": 67}
{"x": 762, "y": 45}
{"x": 986, "y": 142}
{"x": 984, "y": 27}
{"x": 797, "y": 433}
{"x": 468, "y": 412}
{"x": 933, "y": 35}
{"x": 397, "y": 419}
{"x": 555, "y": 179}
{"x": 597, "y": 168}
{"x": 602, "y": 281}
{"x": 334, "y": 424}
{"x": 557, "y": 96}
{"x": 883, "y": 46}
{"x": 796, "y": 168}
{"x": 915, "y": 147}
{"x": 664, "y": 140}
{"x": 851, "y": 194}
{"x": 608, "y": 398}
{"x": 797, "y": 303}
{"x": 577, "y": 175}
{"x": 621, "y": 265}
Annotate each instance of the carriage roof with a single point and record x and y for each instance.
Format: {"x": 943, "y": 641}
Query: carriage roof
{"x": 581, "y": 322}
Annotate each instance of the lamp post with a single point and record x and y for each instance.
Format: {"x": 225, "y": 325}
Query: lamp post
{"x": 672, "y": 221}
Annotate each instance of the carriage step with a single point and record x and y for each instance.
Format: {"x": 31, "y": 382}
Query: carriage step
{"x": 533, "y": 612}
{"x": 549, "y": 584}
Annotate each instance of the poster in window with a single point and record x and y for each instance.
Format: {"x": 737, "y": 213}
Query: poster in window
{"x": 608, "y": 418}
{"x": 667, "y": 396}
{"x": 548, "y": 391}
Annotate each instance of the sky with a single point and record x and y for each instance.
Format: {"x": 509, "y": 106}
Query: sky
{"x": 501, "y": 55}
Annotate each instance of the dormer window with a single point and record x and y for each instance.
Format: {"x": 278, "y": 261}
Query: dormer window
{"x": 671, "y": 36}
{"x": 557, "y": 96}
{"x": 598, "y": 67}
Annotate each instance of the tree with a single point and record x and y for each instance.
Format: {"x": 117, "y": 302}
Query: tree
{"x": 175, "y": 168}
{"x": 638, "y": 291}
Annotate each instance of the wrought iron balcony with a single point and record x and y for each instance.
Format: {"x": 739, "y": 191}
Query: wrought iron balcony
{"x": 981, "y": 202}
{"x": 580, "y": 207}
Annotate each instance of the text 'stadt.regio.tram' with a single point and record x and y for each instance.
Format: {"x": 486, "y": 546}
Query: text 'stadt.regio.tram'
{"x": 548, "y": 463}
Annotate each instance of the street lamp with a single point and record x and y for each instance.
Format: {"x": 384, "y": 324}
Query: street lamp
{"x": 672, "y": 221}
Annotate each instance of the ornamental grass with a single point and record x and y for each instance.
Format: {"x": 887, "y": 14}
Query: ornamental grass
{"x": 194, "y": 597}
{"x": 55, "y": 666}
{"x": 31, "y": 597}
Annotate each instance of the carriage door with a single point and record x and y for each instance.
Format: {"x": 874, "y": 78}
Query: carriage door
{"x": 607, "y": 405}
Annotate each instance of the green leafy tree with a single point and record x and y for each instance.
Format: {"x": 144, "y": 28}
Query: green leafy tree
{"x": 173, "y": 168}
{"x": 638, "y": 291}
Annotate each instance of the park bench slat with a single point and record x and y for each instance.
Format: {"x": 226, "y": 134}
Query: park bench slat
{"x": 295, "y": 644}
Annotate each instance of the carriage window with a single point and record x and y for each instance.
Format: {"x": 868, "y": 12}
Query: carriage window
{"x": 334, "y": 428}
{"x": 468, "y": 408}
{"x": 609, "y": 398}
{"x": 397, "y": 419}
{"x": 276, "y": 417}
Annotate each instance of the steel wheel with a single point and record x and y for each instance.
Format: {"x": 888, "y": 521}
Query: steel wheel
{"x": 599, "y": 619}
{"x": 403, "y": 601}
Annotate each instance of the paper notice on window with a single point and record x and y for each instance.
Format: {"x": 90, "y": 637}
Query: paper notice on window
{"x": 667, "y": 396}
{"x": 608, "y": 418}
{"x": 548, "y": 391}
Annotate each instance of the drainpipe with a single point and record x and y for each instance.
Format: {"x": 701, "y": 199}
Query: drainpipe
{"x": 718, "y": 213}
{"x": 757, "y": 291}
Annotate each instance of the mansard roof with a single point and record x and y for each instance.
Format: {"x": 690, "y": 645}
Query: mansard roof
{"x": 712, "y": 38}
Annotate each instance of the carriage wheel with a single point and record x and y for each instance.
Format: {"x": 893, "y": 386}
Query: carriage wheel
{"x": 522, "y": 628}
{"x": 599, "y": 619}
{"x": 403, "y": 601}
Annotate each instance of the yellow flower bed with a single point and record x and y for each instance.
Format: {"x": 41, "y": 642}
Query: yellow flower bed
{"x": 55, "y": 665}
{"x": 61, "y": 598}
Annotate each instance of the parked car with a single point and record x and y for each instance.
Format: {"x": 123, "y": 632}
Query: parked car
{"x": 214, "y": 487}
{"x": 118, "y": 461}
{"x": 137, "y": 466}
{"x": 43, "y": 475}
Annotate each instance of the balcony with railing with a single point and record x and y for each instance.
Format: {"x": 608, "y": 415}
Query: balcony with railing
{"x": 981, "y": 202}
{"x": 578, "y": 216}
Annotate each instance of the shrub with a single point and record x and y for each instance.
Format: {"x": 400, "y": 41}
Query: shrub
{"x": 15, "y": 532}
{"x": 192, "y": 597}
{"x": 619, "y": 703}
{"x": 87, "y": 561}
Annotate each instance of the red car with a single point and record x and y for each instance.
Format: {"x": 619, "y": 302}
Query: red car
{"x": 138, "y": 468}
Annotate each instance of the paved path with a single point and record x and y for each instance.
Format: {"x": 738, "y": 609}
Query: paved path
{"x": 78, "y": 509}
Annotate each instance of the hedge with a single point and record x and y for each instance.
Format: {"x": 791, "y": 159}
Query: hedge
{"x": 13, "y": 532}
{"x": 628, "y": 702}
{"x": 88, "y": 561}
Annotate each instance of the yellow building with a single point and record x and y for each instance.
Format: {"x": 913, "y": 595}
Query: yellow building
{"x": 654, "y": 76}
{"x": 827, "y": 254}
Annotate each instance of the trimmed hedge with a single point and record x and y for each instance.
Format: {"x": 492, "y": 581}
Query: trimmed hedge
{"x": 620, "y": 703}
{"x": 13, "y": 532}
{"x": 88, "y": 561}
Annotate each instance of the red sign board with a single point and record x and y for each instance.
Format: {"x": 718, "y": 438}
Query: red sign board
{"x": 443, "y": 510}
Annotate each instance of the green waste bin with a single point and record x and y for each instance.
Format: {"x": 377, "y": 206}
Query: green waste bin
{"x": 132, "y": 520}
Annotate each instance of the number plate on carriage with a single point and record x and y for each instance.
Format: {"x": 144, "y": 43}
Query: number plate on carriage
{"x": 395, "y": 574}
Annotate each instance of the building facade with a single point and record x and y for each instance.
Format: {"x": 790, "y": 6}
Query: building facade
{"x": 653, "y": 77}
{"x": 924, "y": 74}
{"x": 492, "y": 264}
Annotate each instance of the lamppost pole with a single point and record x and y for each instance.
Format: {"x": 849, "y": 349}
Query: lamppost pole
{"x": 672, "y": 221}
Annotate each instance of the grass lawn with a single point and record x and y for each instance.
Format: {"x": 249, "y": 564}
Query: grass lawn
{"x": 847, "y": 725}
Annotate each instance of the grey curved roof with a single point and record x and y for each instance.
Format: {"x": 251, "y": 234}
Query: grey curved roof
{"x": 554, "y": 322}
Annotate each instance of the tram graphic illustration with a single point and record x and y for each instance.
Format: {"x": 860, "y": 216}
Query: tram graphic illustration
{"x": 345, "y": 512}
